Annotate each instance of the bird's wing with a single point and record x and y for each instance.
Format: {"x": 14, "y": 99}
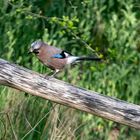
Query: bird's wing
{"x": 62, "y": 55}
{"x": 57, "y": 56}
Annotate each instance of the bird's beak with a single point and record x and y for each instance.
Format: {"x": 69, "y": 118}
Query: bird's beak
{"x": 30, "y": 51}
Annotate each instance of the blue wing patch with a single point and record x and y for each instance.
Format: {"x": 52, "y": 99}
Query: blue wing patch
{"x": 61, "y": 55}
{"x": 57, "y": 56}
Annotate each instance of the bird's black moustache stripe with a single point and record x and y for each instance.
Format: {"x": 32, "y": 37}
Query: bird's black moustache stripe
{"x": 36, "y": 51}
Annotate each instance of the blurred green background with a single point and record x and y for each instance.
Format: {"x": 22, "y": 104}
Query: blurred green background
{"x": 83, "y": 27}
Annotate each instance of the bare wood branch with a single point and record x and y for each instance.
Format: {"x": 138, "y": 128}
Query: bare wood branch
{"x": 69, "y": 95}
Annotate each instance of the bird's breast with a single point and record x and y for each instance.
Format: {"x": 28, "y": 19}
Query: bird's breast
{"x": 56, "y": 63}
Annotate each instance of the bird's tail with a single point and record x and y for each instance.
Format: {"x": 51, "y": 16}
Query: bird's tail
{"x": 75, "y": 59}
{"x": 88, "y": 59}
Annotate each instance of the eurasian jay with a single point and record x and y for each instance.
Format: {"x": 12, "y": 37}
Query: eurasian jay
{"x": 55, "y": 58}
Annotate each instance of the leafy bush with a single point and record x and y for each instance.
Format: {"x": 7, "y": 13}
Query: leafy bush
{"x": 109, "y": 29}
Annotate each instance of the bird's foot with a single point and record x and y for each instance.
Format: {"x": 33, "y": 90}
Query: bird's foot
{"x": 52, "y": 76}
{"x": 48, "y": 77}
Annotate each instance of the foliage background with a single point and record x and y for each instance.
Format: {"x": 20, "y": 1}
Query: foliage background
{"x": 82, "y": 27}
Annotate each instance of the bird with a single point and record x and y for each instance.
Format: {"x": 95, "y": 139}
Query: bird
{"x": 55, "y": 58}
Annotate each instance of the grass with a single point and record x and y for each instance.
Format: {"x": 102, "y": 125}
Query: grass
{"x": 110, "y": 28}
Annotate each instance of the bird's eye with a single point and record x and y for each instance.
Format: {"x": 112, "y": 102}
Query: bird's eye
{"x": 36, "y": 51}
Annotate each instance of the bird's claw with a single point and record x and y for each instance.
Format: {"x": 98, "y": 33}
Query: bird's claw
{"x": 48, "y": 77}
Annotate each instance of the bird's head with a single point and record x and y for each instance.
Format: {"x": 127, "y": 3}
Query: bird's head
{"x": 35, "y": 47}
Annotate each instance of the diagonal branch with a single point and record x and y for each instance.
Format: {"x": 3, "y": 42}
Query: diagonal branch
{"x": 69, "y": 95}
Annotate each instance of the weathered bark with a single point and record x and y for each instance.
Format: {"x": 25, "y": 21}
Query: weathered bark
{"x": 69, "y": 95}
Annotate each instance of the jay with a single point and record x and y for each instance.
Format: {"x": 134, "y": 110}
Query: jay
{"x": 55, "y": 58}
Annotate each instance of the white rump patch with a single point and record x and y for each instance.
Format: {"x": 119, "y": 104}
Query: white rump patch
{"x": 71, "y": 59}
{"x": 66, "y": 54}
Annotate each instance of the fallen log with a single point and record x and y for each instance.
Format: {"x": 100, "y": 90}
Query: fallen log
{"x": 66, "y": 94}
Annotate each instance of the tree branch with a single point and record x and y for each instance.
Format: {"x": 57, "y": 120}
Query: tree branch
{"x": 69, "y": 95}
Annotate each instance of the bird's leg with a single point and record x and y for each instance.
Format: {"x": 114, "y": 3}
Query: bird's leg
{"x": 56, "y": 71}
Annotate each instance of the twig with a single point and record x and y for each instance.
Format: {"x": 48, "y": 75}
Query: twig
{"x": 29, "y": 123}
{"x": 37, "y": 124}
{"x": 2, "y": 137}
{"x": 60, "y": 19}
{"x": 11, "y": 126}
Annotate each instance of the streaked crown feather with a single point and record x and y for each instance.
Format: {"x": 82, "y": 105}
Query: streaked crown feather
{"x": 36, "y": 44}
